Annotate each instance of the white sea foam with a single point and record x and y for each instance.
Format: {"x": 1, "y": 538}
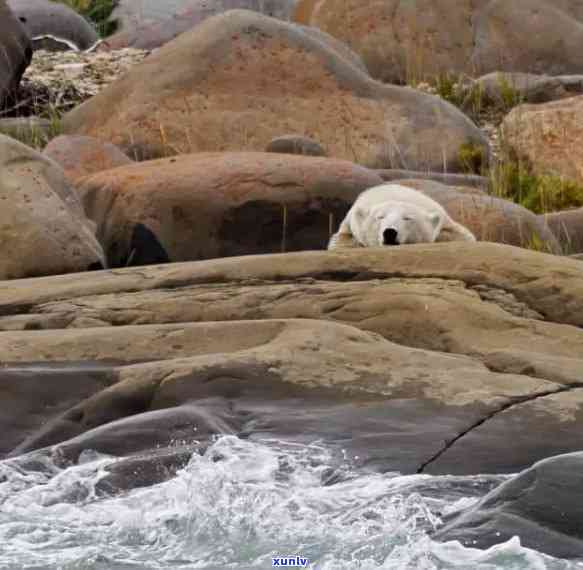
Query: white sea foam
{"x": 237, "y": 506}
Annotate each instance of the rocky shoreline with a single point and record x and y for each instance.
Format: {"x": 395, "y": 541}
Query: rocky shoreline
{"x": 165, "y": 215}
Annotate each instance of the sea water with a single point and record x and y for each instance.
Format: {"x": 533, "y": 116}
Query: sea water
{"x": 244, "y": 504}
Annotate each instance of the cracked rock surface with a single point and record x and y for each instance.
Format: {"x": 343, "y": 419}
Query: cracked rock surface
{"x": 422, "y": 358}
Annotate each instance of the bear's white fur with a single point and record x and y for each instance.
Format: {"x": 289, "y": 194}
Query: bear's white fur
{"x": 391, "y": 214}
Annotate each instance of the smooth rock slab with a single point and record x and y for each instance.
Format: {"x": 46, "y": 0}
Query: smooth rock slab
{"x": 422, "y": 358}
{"x": 32, "y": 395}
{"x": 297, "y": 380}
{"x": 541, "y": 506}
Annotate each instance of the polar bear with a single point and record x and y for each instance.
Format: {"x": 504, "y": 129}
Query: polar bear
{"x": 391, "y": 214}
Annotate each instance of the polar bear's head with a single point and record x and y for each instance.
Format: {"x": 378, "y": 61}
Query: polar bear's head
{"x": 395, "y": 223}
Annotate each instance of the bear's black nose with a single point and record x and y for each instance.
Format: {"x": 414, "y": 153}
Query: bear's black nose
{"x": 390, "y": 237}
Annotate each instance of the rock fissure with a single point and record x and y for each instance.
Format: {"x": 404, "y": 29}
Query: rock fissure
{"x": 448, "y": 444}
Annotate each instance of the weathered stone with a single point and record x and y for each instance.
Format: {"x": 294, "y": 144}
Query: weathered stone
{"x": 541, "y": 506}
{"x": 548, "y": 137}
{"x": 216, "y": 205}
{"x": 402, "y": 41}
{"x": 285, "y": 77}
{"x": 511, "y": 88}
{"x": 333, "y": 368}
{"x": 455, "y": 343}
{"x": 80, "y": 156}
{"x": 45, "y": 18}
{"x": 43, "y": 229}
{"x": 130, "y": 13}
{"x": 568, "y": 227}
{"x": 153, "y": 28}
{"x": 16, "y": 51}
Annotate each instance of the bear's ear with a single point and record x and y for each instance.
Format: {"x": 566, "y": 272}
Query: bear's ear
{"x": 360, "y": 213}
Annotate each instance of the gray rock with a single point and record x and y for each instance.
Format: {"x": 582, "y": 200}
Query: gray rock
{"x": 131, "y": 14}
{"x": 16, "y": 49}
{"x": 143, "y": 32}
{"x": 53, "y": 25}
{"x": 542, "y": 506}
{"x": 512, "y": 88}
{"x": 568, "y": 227}
{"x": 295, "y": 144}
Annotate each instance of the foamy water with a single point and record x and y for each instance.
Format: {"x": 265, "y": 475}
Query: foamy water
{"x": 237, "y": 506}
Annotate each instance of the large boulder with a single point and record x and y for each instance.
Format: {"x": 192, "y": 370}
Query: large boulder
{"x": 548, "y": 137}
{"x": 403, "y": 41}
{"x": 287, "y": 80}
{"x": 203, "y": 206}
{"x": 418, "y": 359}
{"x": 542, "y": 506}
{"x": 490, "y": 218}
{"x": 64, "y": 27}
{"x": 149, "y": 29}
{"x": 43, "y": 229}
{"x": 16, "y": 52}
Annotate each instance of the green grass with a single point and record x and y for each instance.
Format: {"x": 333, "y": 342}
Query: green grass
{"x": 540, "y": 193}
{"x": 97, "y": 12}
{"x": 34, "y": 135}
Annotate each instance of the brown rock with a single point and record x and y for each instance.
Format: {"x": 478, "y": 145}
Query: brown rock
{"x": 79, "y": 155}
{"x": 43, "y": 229}
{"x": 287, "y": 80}
{"x": 404, "y": 41}
{"x": 490, "y": 218}
{"x": 568, "y": 227}
{"x": 454, "y": 342}
{"x": 549, "y": 137}
{"x": 216, "y": 205}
